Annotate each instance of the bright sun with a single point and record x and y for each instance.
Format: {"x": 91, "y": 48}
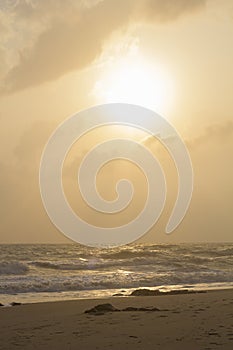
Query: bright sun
{"x": 138, "y": 82}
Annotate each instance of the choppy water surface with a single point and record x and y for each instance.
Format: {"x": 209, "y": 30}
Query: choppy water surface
{"x": 50, "y": 272}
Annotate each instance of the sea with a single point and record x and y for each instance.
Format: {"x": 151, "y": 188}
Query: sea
{"x": 41, "y": 273}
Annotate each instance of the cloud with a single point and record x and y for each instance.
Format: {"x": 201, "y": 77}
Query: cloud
{"x": 74, "y": 36}
{"x": 23, "y": 218}
{"x": 210, "y": 215}
{"x": 166, "y": 10}
{"x": 216, "y": 133}
{"x": 2, "y": 62}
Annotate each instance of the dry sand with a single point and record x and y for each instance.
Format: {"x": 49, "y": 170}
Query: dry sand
{"x": 190, "y": 322}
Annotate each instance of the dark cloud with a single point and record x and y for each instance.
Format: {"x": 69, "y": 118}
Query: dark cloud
{"x": 74, "y": 36}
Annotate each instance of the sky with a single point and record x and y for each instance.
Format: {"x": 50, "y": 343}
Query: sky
{"x": 172, "y": 56}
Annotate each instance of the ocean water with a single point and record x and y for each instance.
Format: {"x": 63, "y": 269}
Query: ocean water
{"x": 35, "y": 273}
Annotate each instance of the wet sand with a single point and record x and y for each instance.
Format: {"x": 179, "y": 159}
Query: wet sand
{"x": 189, "y": 321}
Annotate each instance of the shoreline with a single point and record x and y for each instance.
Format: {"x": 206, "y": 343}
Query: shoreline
{"x": 37, "y": 297}
{"x": 193, "y": 321}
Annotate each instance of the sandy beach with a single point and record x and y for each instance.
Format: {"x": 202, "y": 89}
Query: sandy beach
{"x": 189, "y": 321}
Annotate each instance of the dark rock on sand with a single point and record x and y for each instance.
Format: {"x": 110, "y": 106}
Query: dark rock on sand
{"x": 101, "y": 309}
{"x": 1, "y": 304}
{"x": 140, "y": 309}
{"x": 149, "y": 292}
{"x": 14, "y": 303}
{"x": 145, "y": 292}
{"x": 130, "y": 308}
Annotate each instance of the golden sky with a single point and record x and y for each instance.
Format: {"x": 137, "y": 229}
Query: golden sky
{"x": 173, "y": 56}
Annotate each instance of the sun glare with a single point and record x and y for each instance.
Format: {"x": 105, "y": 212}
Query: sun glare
{"x": 137, "y": 82}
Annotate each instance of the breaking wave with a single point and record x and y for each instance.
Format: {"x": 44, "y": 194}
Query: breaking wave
{"x": 62, "y": 268}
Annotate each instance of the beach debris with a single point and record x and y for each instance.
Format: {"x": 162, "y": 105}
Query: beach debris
{"x": 101, "y": 309}
{"x": 145, "y": 292}
{"x": 13, "y": 303}
{"x": 212, "y": 332}
{"x": 118, "y": 295}
{"x": 154, "y": 292}
{"x": 130, "y": 308}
